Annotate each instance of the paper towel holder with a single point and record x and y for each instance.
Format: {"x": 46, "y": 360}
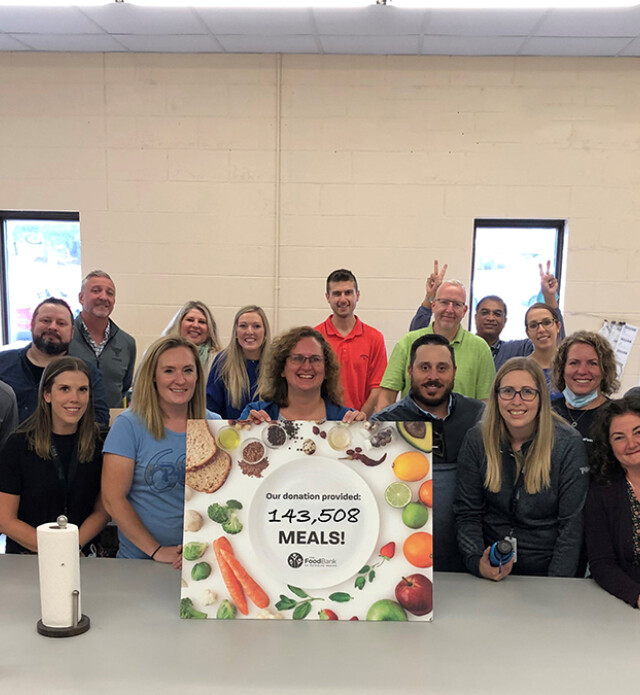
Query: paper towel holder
{"x": 79, "y": 624}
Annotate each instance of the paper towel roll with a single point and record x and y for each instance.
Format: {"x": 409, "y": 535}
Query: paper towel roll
{"x": 59, "y": 565}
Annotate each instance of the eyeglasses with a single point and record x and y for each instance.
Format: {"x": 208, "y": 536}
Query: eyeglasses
{"x": 533, "y": 325}
{"x": 301, "y": 359}
{"x": 508, "y": 393}
{"x": 446, "y": 302}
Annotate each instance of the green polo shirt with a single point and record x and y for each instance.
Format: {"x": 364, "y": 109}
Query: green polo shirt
{"x": 475, "y": 372}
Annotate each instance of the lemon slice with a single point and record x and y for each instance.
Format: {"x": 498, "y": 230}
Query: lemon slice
{"x": 398, "y": 495}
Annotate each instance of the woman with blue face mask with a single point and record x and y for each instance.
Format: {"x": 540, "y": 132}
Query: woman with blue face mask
{"x": 584, "y": 370}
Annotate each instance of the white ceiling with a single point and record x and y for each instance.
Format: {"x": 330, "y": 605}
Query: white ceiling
{"x": 367, "y": 30}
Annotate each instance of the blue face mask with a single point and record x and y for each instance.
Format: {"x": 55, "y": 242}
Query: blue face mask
{"x": 578, "y": 402}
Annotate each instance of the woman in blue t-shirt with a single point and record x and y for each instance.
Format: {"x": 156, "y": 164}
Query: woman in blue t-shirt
{"x": 145, "y": 452}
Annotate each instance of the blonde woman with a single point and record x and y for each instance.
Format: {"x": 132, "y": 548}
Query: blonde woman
{"x": 195, "y": 322}
{"x": 145, "y": 450}
{"x": 233, "y": 379}
{"x": 523, "y": 475}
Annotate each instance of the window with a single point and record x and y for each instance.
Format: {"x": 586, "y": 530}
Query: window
{"x": 40, "y": 259}
{"x": 506, "y": 254}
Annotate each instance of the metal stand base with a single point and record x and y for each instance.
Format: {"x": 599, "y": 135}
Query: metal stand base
{"x": 83, "y": 625}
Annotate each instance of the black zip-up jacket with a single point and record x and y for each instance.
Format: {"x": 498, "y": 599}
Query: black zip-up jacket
{"x": 547, "y": 525}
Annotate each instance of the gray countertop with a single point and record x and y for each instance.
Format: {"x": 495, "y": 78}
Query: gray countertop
{"x": 523, "y": 635}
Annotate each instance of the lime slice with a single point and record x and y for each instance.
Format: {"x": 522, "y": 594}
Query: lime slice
{"x": 398, "y": 495}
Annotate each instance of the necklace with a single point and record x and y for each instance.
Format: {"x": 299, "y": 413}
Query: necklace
{"x": 575, "y": 420}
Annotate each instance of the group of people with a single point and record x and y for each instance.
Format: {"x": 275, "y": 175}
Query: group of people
{"x": 516, "y": 453}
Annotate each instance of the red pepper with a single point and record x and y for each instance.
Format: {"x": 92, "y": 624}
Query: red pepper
{"x": 327, "y": 614}
{"x": 388, "y": 550}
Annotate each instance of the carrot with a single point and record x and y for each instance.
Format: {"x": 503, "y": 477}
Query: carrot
{"x": 231, "y": 582}
{"x": 253, "y": 590}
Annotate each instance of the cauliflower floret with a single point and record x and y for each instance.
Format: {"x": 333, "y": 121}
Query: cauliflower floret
{"x": 266, "y": 614}
{"x": 209, "y": 597}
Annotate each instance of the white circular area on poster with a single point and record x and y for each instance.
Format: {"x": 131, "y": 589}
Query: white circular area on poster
{"x": 300, "y": 529}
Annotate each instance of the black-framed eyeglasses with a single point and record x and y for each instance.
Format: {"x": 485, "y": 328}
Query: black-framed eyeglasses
{"x": 508, "y": 393}
{"x": 533, "y": 325}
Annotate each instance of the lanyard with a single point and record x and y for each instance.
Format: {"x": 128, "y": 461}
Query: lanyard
{"x": 66, "y": 482}
{"x": 515, "y": 495}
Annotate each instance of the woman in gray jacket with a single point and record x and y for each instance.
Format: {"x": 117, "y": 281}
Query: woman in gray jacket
{"x": 522, "y": 475}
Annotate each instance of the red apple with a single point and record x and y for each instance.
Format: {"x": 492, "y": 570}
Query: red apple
{"x": 415, "y": 594}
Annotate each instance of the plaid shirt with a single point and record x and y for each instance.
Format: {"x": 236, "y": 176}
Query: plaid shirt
{"x": 97, "y": 348}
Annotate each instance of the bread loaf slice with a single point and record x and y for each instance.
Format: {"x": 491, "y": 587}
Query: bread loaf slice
{"x": 201, "y": 446}
{"x": 210, "y": 476}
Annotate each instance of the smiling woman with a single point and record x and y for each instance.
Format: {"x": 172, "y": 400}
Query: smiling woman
{"x": 51, "y": 465}
{"x": 584, "y": 370}
{"x": 522, "y": 474}
{"x": 145, "y": 451}
{"x": 194, "y": 321}
{"x": 612, "y": 512}
{"x": 300, "y": 380}
{"x": 233, "y": 379}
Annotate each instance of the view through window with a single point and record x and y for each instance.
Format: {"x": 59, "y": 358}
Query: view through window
{"x": 40, "y": 259}
{"x": 506, "y": 255}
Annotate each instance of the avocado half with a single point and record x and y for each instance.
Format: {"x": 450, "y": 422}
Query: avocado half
{"x": 418, "y": 434}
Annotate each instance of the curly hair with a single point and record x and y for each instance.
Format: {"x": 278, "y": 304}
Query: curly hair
{"x": 272, "y": 386}
{"x": 605, "y": 467}
{"x": 606, "y": 357}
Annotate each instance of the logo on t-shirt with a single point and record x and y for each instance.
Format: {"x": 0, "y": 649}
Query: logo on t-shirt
{"x": 163, "y": 473}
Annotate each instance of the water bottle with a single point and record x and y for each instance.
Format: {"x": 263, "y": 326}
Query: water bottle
{"x": 501, "y": 552}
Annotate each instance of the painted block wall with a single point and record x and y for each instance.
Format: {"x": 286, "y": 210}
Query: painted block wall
{"x": 240, "y": 179}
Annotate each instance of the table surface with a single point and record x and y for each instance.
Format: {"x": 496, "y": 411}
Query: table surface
{"x": 525, "y": 634}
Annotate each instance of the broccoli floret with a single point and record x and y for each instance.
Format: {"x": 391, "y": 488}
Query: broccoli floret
{"x": 226, "y": 515}
{"x": 234, "y": 525}
{"x": 226, "y": 611}
{"x": 218, "y": 513}
{"x": 188, "y": 611}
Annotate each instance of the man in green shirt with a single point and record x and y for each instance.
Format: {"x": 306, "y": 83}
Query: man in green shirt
{"x": 476, "y": 369}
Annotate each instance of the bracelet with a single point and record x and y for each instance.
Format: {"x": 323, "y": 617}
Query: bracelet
{"x": 153, "y": 554}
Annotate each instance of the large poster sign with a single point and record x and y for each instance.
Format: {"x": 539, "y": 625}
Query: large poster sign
{"x": 303, "y": 520}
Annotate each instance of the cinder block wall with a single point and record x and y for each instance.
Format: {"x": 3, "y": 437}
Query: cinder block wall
{"x": 246, "y": 178}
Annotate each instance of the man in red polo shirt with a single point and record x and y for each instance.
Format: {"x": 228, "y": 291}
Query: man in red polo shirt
{"x": 360, "y": 348}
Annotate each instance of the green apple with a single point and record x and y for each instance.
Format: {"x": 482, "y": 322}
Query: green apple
{"x": 385, "y": 609}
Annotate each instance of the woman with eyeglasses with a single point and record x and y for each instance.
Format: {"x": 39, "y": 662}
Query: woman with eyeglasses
{"x": 300, "y": 380}
{"x": 543, "y": 327}
{"x": 522, "y": 475}
{"x": 612, "y": 512}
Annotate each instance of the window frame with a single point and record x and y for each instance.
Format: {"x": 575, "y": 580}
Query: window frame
{"x": 9, "y": 215}
{"x": 560, "y": 225}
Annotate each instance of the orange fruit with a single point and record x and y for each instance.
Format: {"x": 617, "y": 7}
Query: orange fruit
{"x": 426, "y": 493}
{"x": 418, "y": 549}
{"x": 411, "y": 466}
